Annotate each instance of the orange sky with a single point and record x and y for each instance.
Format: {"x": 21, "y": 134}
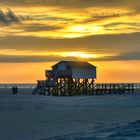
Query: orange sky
{"x": 106, "y": 71}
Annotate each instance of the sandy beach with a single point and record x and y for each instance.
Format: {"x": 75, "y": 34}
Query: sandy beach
{"x": 28, "y": 117}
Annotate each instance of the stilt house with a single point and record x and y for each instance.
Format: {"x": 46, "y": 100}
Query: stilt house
{"x": 67, "y": 78}
{"x": 72, "y": 69}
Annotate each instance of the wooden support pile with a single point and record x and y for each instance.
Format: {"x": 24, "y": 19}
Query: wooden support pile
{"x": 75, "y": 86}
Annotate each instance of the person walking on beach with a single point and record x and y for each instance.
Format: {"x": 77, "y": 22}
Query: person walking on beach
{"x": 14, "y": 90}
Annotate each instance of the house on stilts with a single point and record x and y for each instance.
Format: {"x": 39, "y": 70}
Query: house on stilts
{"x": 68, "y": 78}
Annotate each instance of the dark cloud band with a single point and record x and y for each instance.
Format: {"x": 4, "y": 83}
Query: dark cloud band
{"x": 31, "y": 59}
{"x": 133, "y": 4}
{"x": 70, "y": 3}
{"x": 119, "y": 42}
{"x": 51, "y": 58}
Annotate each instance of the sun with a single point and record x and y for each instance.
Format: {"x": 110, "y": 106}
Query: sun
{"x": 78, "y": 28}
{"x": 84, "y": 28}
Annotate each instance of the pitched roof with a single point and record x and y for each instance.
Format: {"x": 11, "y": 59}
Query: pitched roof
{"x": 77, "y": 64}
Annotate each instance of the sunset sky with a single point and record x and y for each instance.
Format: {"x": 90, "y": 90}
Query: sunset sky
{"x": 35, "y": 34}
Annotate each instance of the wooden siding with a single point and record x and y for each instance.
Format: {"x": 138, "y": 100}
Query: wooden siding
{"x": 83, "y": 73}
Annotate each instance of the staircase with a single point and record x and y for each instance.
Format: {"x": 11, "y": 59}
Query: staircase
{"x": 40, "y": 88}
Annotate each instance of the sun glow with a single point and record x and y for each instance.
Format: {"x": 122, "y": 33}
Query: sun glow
{"x": 76, "y": 54}
{"x": 80, "y": 30}
{"x": 80, "y": 55}
{"x": 85, "y": 28}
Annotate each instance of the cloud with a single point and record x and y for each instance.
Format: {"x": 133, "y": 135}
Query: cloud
{"x": 126, "y": 46}
{"x": 8, "y": 17}
{"x": 125, "y": 56}
{"x": 51, "y": 58}
{"x": 119, "y": 42}
{"x": 58, "y": 22}
{"x": 114, "y": 24}
{"x": 96, "y": 18}
{"x": 70, "y": 3}
{"x": 38, "y": 27}
{"x": 133, "y": 4}
{"x": 32, "y": 59}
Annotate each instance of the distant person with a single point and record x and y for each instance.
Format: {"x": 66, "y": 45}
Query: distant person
{"x": 14, "y": 90}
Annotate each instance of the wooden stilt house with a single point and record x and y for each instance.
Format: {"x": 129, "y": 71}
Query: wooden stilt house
{"x": 68, "y": 78}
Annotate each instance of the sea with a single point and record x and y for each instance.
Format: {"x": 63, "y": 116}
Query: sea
{"x": 25, "y": 85}
{"x": 25, "y": 88}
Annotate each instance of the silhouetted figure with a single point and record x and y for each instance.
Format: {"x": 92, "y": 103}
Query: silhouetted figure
{"x": 14, "y": 90}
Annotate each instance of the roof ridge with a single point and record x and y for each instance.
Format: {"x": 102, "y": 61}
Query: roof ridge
{"x": 76, "y": 63}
